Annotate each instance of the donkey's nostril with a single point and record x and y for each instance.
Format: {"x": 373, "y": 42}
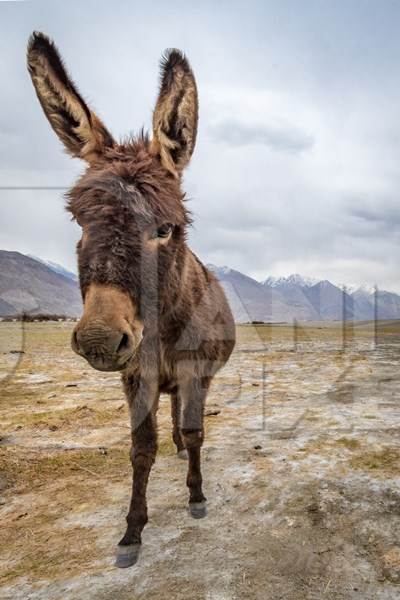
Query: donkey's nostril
{"x": 123, "y": 344}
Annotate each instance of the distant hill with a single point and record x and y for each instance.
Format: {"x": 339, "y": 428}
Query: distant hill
{"x": 27, "y": 284}
{"x": 36, "y": 286}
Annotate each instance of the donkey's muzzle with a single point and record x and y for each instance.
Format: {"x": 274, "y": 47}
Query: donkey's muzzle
{"x": 104, "y": 348}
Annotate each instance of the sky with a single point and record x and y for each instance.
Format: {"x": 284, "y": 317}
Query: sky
{"x": 296, "y": 168}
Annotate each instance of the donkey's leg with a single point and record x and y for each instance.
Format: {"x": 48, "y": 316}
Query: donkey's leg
{"x": 193, "y": 396}
{"x": 176, "y": 433}
{"x": 143, "y": 453}
{"x": 197, "y": 501}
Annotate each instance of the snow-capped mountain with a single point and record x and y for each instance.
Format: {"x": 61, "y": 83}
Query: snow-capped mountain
{"x": 279, "y": 299}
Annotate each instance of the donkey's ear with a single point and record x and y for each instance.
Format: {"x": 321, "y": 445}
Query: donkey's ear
{"x": 176, "y": 113}
{"x": 80, "y": 130}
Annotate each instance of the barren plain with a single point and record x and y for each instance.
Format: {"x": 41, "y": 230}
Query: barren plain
{"x": 301, "y": 467}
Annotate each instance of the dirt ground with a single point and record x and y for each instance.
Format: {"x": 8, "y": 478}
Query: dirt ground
{"x": 301, "y": 470}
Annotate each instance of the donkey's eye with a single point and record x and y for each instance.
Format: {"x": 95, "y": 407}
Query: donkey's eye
{"x": 164, "y": 230}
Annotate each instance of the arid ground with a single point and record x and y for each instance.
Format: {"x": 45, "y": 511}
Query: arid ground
{"x": 301, "y": 468}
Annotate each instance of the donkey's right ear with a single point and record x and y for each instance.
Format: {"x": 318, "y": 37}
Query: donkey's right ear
{"x": 80, "y": 130}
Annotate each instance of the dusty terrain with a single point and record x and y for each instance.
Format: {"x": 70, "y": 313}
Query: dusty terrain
{"x": 301, "y": 469}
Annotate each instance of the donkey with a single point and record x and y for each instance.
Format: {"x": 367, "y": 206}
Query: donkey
{"x": 151, "y": 309}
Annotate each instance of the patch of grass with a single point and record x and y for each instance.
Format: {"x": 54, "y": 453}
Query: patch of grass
{"x": 324, "y": 445}
{"x": 26, "y": 470}
{"x": 384, "y": 461}
{"x": 16, "y": 395}
{"x": 332, "y": 423}
{"x": 369, "y": 417}
{"x": 349, "y": 443}
{"x": 80, "y": 416}
{"x": 46, "y": 556}
{"x": 312, "y": 418}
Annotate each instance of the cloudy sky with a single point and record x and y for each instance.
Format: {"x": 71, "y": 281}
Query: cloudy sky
{"x": 297, "y": 162}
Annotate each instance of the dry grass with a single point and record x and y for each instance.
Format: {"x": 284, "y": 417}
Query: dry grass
{"x": 43, "y": 555}
{"x": 34, "y": 542}
{"x": 324, "y": 445}
{"x": 27, "y": 470}
{"x": 349, "y": 443}
{"x": 383, "y": 462}
{"x": 315, "y": 332}
{"x": 81, "y": 416}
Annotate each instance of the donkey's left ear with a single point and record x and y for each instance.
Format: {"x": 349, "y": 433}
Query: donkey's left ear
{"x": 176, "y": 113}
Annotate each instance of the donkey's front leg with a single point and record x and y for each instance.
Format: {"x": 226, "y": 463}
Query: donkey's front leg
{"x": 143, "y": 453}
{"x": 193, "y": 399}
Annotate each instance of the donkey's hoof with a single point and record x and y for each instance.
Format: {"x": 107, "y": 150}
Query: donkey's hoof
{"x": 198, "y": 510}
{"x": 127, "y": 555}
{"x": 182, "y": 454}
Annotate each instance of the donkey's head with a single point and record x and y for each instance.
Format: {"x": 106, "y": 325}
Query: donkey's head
{"x": 128, "y": 203}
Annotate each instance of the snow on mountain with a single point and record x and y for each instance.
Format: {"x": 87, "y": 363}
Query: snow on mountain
{"x": 360, "y": 289}
{"x": 294, "y": 279}
{"x": 55, "y": 267}
{"x": 219, "y": 270}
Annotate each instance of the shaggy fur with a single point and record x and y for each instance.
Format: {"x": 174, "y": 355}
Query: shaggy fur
{"x": 127, "y": 194}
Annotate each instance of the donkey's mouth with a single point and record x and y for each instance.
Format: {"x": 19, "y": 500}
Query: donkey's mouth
{"x": 107, "y": 368}
{"x": 107, "y": 365}
{"x": 104, "y": 363}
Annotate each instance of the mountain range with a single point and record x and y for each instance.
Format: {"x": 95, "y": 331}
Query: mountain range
{"x": 30, "y": 284}
{"x": 284, "y": 299}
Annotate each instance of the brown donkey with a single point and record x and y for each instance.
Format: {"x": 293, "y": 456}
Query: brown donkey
{"x": 151, "y": 309}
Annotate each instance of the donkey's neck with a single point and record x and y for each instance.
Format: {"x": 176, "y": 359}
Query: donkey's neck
{"x": 184, "y": 285}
